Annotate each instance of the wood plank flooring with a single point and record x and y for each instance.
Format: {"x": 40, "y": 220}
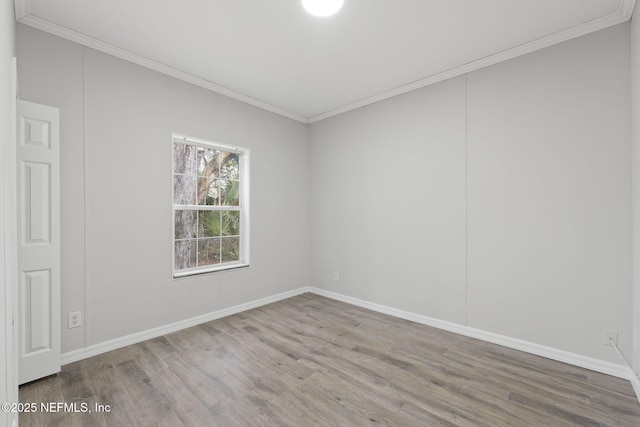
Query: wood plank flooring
{"x": 313, "y": 361}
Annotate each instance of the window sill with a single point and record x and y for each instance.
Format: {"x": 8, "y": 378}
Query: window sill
{"x": 217, "y": 269}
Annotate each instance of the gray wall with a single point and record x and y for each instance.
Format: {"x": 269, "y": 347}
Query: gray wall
{"x": 500, "y": 200}
{"x": 116, "y": 121}
{"x": 635, "y": 110}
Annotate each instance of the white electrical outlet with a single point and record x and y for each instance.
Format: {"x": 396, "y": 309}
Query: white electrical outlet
{"x": 610, "y": 336}
{"x": 75, "y": 319}
{"x": 336, "y": 276}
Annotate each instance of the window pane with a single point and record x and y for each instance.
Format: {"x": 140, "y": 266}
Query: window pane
{"x": 209, "y": 191}
{"x": 184, "y": 159}
{"x": 185, "y": 254}
{"x": 185, "y": 224}
{"x": 208, "y": 162}
{"x": 230, "y": 223}
{"x": 230, "y": 167}
{"x": 208, "y": 223}
{"x": 230, "y": 249}
{"x": 208, "y": 199}
{"x": 208, "y": 251}
{"x": 231, "y": 193}
{"x": 184, "y": 189}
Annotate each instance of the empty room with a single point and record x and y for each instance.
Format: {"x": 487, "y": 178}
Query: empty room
{"x": 320, "y": 213}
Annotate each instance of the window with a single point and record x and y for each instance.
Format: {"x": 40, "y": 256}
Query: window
{"x": 210, "y": 206}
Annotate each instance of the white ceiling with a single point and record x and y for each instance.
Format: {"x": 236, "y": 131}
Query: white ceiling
{"x": 272, "y": 54}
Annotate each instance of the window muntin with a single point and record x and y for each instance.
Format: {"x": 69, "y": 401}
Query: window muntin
{"x": 210, "y": 206}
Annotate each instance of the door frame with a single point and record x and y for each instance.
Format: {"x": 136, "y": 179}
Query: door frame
{"x": 9, "y": 268}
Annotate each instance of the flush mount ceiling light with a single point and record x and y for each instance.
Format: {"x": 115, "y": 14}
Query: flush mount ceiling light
{"x": 322, "y": 7}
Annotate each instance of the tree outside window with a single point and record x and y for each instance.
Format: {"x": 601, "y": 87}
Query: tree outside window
{"x": 210, "y": 213}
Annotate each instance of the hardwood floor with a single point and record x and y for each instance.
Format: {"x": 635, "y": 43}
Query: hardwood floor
{"x": 310, "y": 360}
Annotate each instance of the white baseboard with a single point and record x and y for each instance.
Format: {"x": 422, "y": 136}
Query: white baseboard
{"x": 590, "y": 363}
{"x": 103, "y": 347}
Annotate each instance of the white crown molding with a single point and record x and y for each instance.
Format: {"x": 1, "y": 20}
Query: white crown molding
{"x": 626, "y": 7}
{"x": 635, "y": 383}
{"x": 623, "y": 14}
{"x": 74, "y": 36}
{"x": 21, "y": 9}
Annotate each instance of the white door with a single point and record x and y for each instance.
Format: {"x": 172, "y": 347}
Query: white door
{"x": 38, "y": 170}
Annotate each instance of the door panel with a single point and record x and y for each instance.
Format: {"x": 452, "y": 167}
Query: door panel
{"x": 37, "y": 208}
{"x": 38, "y": 152}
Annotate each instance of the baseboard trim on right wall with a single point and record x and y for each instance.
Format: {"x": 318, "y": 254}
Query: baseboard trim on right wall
{"x": 590, "y": 363}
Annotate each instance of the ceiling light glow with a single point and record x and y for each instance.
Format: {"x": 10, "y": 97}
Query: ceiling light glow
{"x": 322, "y": 7}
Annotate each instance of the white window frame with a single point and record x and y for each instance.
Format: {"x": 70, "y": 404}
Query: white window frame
{"x": 243, "y": 161}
